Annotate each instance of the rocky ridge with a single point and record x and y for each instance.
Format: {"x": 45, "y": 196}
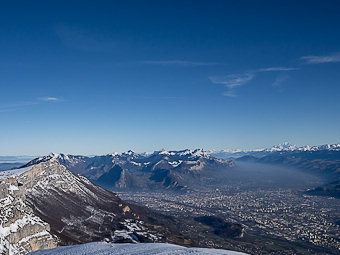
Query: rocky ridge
{"x": 163, "y": 169}
{"x": 21, "y": 231}
{"x": 45, "y": 205}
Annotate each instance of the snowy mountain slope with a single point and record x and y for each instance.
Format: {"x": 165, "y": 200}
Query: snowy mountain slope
{"x": 132, "y": 249}
{"x": 79, "y": 211}
{"x": 21, "y": 231}
{"x": 14, "y": 172}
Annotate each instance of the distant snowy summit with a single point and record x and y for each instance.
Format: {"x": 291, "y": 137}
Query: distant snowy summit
{"x": 289, "y": 147}
{"x": 283, "y": 147}
{"x": 101, "y": 248}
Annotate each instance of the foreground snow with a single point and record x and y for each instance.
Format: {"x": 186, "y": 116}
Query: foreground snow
{"x": 101, "y": 248}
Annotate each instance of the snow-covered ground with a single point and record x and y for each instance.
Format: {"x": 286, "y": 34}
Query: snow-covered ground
{"x": 14, "y": 172}
{"x": 101, "y": 248}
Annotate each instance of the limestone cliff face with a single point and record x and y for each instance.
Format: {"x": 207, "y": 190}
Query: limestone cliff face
{"x": 79, "y": 211}
{"x": 44, "y": 204}
{"x": 21, "y": 231}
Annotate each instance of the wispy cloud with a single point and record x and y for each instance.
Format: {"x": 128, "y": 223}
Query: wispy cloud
{"x": 280, "y": 79}
{"x": 24, "y": 104}
{"x": 178, "y": 63}
{"x": 277, "y": 69}
{"x": 332, "y": 58}
{"x": 233, "y": 81}
{"x": 229, "y": 93}
{"x": 158, "y": 97}
{"x": 49, "y": 99}
{"x": 16, "y": 105}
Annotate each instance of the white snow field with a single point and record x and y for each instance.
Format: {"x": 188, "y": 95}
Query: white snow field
{"x": 14, "y": 172}
{"x": 101, "y": 248}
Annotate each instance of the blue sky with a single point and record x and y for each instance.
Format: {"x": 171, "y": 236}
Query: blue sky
{"x": 93, "y": 77}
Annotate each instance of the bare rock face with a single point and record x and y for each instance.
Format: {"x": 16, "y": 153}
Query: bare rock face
{"x": 21, "y": 231}
{"x": 79, "y": 211}
{"x": 45, "y": 205}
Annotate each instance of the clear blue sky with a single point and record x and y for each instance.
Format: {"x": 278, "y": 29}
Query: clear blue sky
{"x": 93, "y": 77}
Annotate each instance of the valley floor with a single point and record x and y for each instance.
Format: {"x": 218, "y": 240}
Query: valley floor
{"x": 285, "y": 214}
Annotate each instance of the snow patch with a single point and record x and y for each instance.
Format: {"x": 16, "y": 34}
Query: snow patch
{"x": 101, "y": 248}
{"x": 14, "y": 172}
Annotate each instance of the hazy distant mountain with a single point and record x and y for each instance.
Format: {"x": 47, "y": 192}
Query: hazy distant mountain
{"x": 9, "y": 162}
{"x": 284, "y": 147}
{"x": 129, "y": 170}
{"x": 7, "y": 166}
{"x": 17, "y": 159}
{"x": 322, "y": 160}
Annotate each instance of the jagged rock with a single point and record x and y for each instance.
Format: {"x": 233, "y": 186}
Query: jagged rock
{"x": 79, "y": 211}
{"x": 20, "y": 230}
{"x": 44, "y": 203}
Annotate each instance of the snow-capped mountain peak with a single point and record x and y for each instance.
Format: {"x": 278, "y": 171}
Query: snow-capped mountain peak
{"x": 289, "y": 147}
{"x": 286, "y": 146}
{"x": 183, "y": 153}
{"x": 280, "y": 148}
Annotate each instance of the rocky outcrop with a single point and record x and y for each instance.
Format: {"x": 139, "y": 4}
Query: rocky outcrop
{"x": 79, "y": 211}
{"x": 45, "y": 205}
{"x": 21, "y": 231}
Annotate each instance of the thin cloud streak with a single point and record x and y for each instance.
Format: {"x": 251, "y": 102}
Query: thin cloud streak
{"x": 159, "y": 97}
{"x": 312, "y": 60}
{"x": 280, "y": 80}
{"x": 20, "y": 105}
{"x": 229, "y": 94}
{"x": 178, "y": 63}
{"x": 50, "y": 99}
{"x": 233, "y": 81}
{"x": 11, "y": 107}
{"x": 277, "y": 69}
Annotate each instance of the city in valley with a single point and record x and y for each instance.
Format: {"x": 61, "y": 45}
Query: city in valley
{"x": 283, "y": 212}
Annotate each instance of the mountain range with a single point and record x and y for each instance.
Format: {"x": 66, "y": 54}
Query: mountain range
{"x": 60, "y": 199}
{"x": 283, "y": 147}
{"x": 44, "y": 205}
{"x": 186, "y": 169}
{"x": 323, "y": 161}
{"x": 176, "y": 170}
